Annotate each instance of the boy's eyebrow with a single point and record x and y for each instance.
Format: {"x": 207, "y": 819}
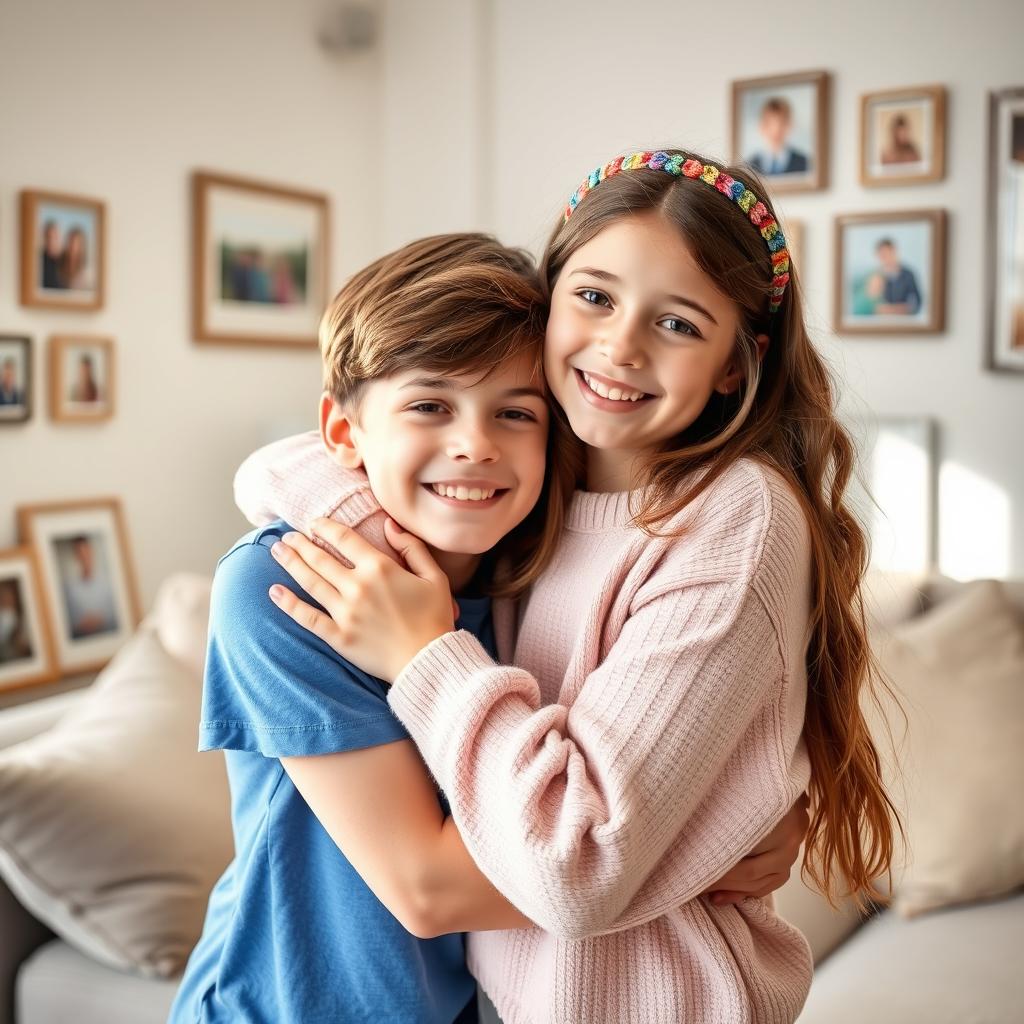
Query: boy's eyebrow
{"x": 605, "y": 275}
{"x": 441, "y": 384}
{"x": 434, "y": 383}
{"x": 526, "y": 393}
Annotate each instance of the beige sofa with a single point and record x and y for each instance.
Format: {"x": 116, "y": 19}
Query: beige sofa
{"x": 958, "y": 965}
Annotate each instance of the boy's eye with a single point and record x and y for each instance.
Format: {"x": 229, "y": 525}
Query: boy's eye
{"x": 678, "y": 326}
{"x": 427, "y": 408}
{"x": 594, "y": 297}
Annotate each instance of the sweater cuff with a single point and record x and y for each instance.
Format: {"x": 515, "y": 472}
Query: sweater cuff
{"x": 436, "y": 682}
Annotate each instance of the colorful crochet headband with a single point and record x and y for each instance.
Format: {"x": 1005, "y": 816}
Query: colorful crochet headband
{"x": 736, "y": 191}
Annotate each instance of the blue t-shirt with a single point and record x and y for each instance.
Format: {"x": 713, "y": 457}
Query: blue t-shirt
{"x": 293, "y": 935}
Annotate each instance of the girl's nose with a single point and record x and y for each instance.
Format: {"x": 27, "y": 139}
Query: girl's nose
{"x": 621, "y": 347}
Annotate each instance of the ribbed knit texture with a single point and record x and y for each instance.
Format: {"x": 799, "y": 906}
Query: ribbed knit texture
{"x": 648, "y": 737}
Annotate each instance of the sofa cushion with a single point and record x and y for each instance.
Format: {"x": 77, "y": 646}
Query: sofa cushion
{"x": 956, "y": 769}
{"x": 949, "y": 967}
{"x": 113, "y": 828}
{"x": 59, "y": 984}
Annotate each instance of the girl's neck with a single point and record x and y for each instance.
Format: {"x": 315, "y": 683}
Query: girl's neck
{"x": 611, "y": 471}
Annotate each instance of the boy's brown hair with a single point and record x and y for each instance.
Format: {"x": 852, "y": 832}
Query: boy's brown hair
{"x": 455, "y": 303}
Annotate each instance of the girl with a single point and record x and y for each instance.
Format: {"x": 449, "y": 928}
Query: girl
{"x": 705, "y": 598}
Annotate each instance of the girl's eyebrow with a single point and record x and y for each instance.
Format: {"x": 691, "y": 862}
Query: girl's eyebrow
{"x": 605, "y": 275}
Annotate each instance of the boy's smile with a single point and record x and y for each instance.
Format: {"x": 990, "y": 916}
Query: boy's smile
{"x": 456, "y": 459}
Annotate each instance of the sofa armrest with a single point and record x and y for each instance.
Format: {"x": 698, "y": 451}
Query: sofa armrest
{"x": 20, "y": 935}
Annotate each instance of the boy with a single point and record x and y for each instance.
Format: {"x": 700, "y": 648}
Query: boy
{"x": 434, "y": 389}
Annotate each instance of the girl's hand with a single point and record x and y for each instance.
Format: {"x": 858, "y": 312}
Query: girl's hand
{"x": 768, "y": 865}
{"x": 380, "y": 616}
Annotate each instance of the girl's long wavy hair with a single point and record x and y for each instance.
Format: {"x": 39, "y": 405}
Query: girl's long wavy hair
{"x": 782, "y": 415}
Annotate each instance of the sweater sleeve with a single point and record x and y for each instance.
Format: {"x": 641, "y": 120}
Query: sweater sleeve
{"x": 296, "y": 480}
{"x": 593, "y": 817}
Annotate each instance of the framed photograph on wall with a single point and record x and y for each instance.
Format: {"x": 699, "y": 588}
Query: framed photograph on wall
{"x": 62, "y": 251}
{"x": 87, "y": 578}
{"x": 260, "y": 255}
{"x": 15, "y": 379}
{"x": 903, "y": 136}
{"x": 1006, "y": 231}
{"x": 26, "y": 640}
{"x": 780, "y": 127}
{"x": 890, "y": 275}
{"x": 81, "y": 378}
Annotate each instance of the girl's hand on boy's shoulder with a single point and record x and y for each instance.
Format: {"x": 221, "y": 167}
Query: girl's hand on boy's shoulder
{"x": 379, "y": 614}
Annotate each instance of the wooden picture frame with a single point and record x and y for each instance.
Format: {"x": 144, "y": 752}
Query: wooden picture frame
{"x": 801, "y": 101}
{"x": 88, "y": 577}
{"x": 17, "y": 380}
{"x": 63, "y": 251}
{"x": 27, "y": 655}
{"x": 265, "y": 283}
{"x": 921, "y": 112}
{"x": 1004, "y": 349}
{"x": 866, "y": 295}
{"x": 90, "y": 399}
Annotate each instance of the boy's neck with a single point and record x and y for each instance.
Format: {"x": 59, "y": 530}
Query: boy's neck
{"x": 460, "y": 569}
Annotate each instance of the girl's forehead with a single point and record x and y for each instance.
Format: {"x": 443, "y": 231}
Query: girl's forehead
{"x": 646, "y": 252}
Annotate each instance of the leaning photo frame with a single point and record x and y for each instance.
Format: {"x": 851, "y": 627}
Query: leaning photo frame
{"x": 26, "y": 638}
{"x": 88, "y": 580}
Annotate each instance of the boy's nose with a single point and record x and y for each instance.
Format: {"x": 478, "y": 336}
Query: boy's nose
{"x": 473, "y": 446}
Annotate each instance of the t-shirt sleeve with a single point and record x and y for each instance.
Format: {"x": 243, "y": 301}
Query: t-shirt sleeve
{"x": 270, "y": 686}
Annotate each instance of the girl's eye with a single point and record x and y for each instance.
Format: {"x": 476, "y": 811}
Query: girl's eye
{"x": 594, "y": 297}
{"x": 519, "y": 414}
{"x": 678, "y": 326}
{"x": 427, "y": 408}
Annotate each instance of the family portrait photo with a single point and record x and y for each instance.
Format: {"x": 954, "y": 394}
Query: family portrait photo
{"x": 780, "y": 128}
{"x": 62, "y": 251}
{"x": 87, "y": 577}
{"x": 81, "y": 378}
{"x": 15, "y": 379}
{"x": 903, "y": 136}
{"x": 890, "y": 272}
{"x": 1006, "y": 226}
{"x": 26, "y": 655}
{"x": 260, "y": 262}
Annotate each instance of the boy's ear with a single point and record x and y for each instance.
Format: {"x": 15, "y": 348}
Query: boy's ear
{"x": 336, "y": 433}
{"x": 732, "y": 374}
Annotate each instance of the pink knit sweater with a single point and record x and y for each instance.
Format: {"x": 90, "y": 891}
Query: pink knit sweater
{"x": 648, "y": 737}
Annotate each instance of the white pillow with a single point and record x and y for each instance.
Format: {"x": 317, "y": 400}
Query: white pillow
{"x": 113, "y": 828}
{"x": 959, "y": 673}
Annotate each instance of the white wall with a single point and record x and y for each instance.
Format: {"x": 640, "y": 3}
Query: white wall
{"x": 121, "y": 101}
{"x": 475, "y": 114}
{"x": 570, "y": 84}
